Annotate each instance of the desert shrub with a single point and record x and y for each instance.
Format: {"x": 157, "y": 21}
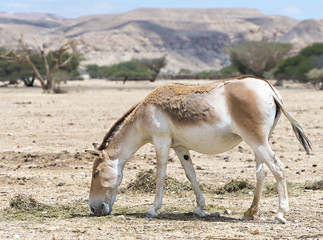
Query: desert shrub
{"x": 315, "y": 77}
{"x": 25, "y": 203}
{"x": 296, "y": 67}
{"x": 137, "y": 69}
{"x": 25, "y": 207}
{"x": 129, "y": 70}
{"x": 271, "y": 189}
{"x": 318, "y": 185}
{"x": 236, "y": 186}
{"x": 93, "y": 70}
{"x": 229, "y": 70}
{"x": 145, "y": 182}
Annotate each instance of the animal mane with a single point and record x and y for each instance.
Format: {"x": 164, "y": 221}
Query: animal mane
{"x": 116, "y": 127}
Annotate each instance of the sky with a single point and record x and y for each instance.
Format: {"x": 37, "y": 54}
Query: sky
{"x": 298, "y": 9}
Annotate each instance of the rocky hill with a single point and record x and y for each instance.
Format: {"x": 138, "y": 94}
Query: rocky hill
{"x": 195, "y": 39}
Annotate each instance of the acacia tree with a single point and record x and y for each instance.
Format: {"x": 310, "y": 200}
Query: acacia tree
{"x": 154, "y": 65}
{"x": 13, "y": 71}
{"x": 256, "y": 57}
{"x": 52, "y": 60}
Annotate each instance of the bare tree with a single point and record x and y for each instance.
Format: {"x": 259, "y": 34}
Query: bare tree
{"x": 22, "y": 54}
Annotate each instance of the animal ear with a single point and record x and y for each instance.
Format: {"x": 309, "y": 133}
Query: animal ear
{"x": 95, "y": 153}
{"x": 96, "y": 145}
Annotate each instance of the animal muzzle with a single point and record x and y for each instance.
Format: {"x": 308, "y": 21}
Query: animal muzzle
{"x": 102, "y": 209}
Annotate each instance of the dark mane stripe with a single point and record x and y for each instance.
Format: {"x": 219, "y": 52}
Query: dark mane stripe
{"x": 115, "y": 128}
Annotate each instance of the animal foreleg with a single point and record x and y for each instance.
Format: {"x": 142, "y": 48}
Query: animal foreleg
{"x": 261, "y": 173}
{"x": 162, "y": 146}
{"x": 185, "y": 158}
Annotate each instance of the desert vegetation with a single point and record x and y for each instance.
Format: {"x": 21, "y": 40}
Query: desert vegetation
{"x": 259, "y": 58}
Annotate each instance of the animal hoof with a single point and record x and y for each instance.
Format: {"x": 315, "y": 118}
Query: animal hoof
{"x": 277, "y": 221}
{"x": 151, "y": 215}
{"x": 148, "y": 215}
{"x": 200, "y": 212}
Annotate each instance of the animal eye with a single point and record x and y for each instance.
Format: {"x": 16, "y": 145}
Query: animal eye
{"x": 96, "y": 174}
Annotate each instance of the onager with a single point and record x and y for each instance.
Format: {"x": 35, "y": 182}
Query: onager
{"x": 209, "y": 119}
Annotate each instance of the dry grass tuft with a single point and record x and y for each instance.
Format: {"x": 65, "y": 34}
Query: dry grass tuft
{"x": 318, "y": 185}
{"x": 24, "y": 207}
{"x": 236, "y": 186}
{"x": 25, "y": 203}
{"x": 145, "y": 182}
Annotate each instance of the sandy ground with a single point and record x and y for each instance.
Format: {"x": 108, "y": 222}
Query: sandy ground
{"x": 42, "y": 143}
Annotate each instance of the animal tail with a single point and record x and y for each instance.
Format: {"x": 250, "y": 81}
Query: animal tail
{"x": 298, "y": 130}
{"x": 114, "y": 128}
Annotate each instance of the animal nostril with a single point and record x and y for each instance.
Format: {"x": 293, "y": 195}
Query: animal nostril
{"x": 92, "y": 210}
{"x": 102, "y": 205}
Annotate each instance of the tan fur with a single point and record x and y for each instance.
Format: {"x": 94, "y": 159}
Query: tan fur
{"x": 244, "y": 110}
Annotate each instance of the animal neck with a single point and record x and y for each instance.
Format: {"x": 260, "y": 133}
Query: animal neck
{"x": 125, "y": 143}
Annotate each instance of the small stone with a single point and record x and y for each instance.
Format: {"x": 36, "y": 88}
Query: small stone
{"x": 199, "y": 168}
{"x": 16, "y": 236}
{"x": 122, "y": 217}
{"x": 82, "y": 173}
{"x": 250, "y": 193}
{"x": 227, "y": 211}
{"x": 263, "y": 219}
{"x": 254, "y": 231}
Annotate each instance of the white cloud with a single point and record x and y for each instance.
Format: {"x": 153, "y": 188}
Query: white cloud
{"x": 291, "y": 11}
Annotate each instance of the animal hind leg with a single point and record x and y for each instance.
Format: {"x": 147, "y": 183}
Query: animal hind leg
{"x": 162, "y": 146}
{"x": 185, "y": 158}
{"x": 277, "y": 168}
{"x": 261, "y": 173}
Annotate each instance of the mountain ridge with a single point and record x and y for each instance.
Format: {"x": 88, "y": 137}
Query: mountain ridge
{"x": 194, "y": 39}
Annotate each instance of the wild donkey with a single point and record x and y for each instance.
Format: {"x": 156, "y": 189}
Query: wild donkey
{"x": 209, "y": 119}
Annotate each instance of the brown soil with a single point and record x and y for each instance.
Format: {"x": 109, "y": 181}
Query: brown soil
{"x": 42, "y": 143}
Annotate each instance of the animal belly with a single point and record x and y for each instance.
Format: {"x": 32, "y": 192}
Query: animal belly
{"x": 207, "y": 142}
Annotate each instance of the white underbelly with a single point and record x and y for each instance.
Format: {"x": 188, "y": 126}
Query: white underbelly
{"x": 205, "y": 139}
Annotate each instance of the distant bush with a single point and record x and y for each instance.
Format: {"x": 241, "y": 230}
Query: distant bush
{"x": 257, "y": 57}
{"x": 137, "y": 69}
{"x": 230, "y": 70}
{"x": 297, "y": 67}
{"x": 93, "y": 70}
{"x": 315, "y": 77}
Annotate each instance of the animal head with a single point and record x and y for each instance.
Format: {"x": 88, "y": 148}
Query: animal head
{"x": 106, "y": 178}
